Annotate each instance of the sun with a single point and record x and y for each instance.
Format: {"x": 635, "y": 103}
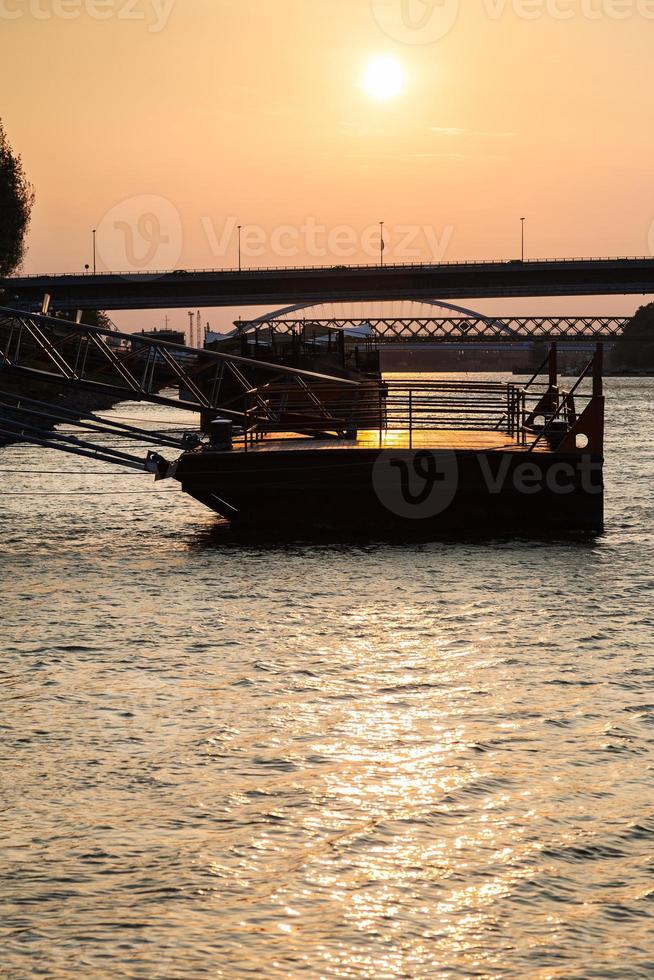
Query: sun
{"x": 384, "y": 78}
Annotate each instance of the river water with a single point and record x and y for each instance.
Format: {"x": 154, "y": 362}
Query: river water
{"x": 322, "y": 760}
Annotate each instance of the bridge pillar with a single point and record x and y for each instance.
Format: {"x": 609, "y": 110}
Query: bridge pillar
{"x": 341, "y": 346}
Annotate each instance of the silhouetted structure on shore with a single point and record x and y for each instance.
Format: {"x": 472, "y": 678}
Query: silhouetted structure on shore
{"x": 635, "y": 353}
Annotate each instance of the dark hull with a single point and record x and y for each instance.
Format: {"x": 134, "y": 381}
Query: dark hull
{"x": 427, "y": 494}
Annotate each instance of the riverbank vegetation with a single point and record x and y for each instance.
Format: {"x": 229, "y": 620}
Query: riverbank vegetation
{"x": 637, "y": 347}
{"x": 16, "y": 202}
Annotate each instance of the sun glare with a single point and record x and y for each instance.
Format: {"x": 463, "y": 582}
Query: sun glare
{"x": 384, "y": 78}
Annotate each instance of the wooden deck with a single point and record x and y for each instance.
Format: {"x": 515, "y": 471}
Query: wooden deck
{"x": 436, "y": 439}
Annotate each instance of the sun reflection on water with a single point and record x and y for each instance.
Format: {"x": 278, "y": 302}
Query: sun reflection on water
{"x": 326, "y": 760}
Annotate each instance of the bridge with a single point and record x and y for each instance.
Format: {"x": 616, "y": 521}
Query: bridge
{"x": 431, "y": 330}
{"x": 257, "y": 287}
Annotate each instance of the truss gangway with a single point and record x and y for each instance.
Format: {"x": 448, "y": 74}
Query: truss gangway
{"x": 117, "y": 366}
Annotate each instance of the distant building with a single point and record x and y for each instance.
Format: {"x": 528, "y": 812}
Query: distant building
{"x": 170, "y": 336}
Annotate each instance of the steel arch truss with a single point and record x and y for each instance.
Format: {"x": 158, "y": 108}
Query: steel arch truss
{"x": 452, "y": 329}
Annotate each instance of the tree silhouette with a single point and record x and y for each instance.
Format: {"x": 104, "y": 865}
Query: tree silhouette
{"x": 16, "y": 200}
{"x": 637, "y": 352}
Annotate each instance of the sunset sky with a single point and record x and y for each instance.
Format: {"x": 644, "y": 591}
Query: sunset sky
{"x": 198, "y": 115}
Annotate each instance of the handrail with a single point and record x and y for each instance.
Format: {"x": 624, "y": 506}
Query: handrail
{"x": 387, "y": 405}
{"x": 564, "y": 401}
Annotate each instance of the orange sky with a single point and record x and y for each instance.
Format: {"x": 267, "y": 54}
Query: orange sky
{"x": 168, "y": 122}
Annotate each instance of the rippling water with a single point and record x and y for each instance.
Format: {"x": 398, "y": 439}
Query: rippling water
{"x": 352, "y": 760}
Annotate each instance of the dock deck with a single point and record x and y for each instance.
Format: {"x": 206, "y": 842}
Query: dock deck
{"x": 438, "y": 440}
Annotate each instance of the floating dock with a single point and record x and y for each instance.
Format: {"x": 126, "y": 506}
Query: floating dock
{"x": 442, "y": 458}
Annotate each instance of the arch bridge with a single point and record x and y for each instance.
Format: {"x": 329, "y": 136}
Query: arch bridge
{"x": 389, "y": 330}
{"x": 467, "y": 326}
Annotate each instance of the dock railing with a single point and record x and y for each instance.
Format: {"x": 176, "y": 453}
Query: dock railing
{"x": 538, "y": 412}
{"x": 570, "y": 419}
{"x": 409, "y": 406}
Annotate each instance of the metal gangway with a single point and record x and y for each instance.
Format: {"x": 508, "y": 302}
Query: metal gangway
{"x": 133, "y": 367}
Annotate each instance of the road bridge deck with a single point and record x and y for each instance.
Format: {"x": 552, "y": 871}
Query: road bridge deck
{"x": 259, "y": 287}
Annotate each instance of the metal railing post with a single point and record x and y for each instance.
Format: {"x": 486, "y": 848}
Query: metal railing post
{"x": 410, "y": 418}
{"x": 523, "y": 420}
{"x": 598, "y": 372}
{"x": 245, "y": 423}
{"x": 553, "y": 366}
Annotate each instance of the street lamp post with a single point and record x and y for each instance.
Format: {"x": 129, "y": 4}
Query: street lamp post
{"x": 94, "y": 233}
{"x": 190, "y": 320}
{"x": 382, "y": 245}
{"x": 239, "y": 247}
{"x": 522, "y": 221}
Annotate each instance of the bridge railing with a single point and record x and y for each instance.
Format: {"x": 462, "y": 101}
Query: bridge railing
{"x": 132, "y": 274}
